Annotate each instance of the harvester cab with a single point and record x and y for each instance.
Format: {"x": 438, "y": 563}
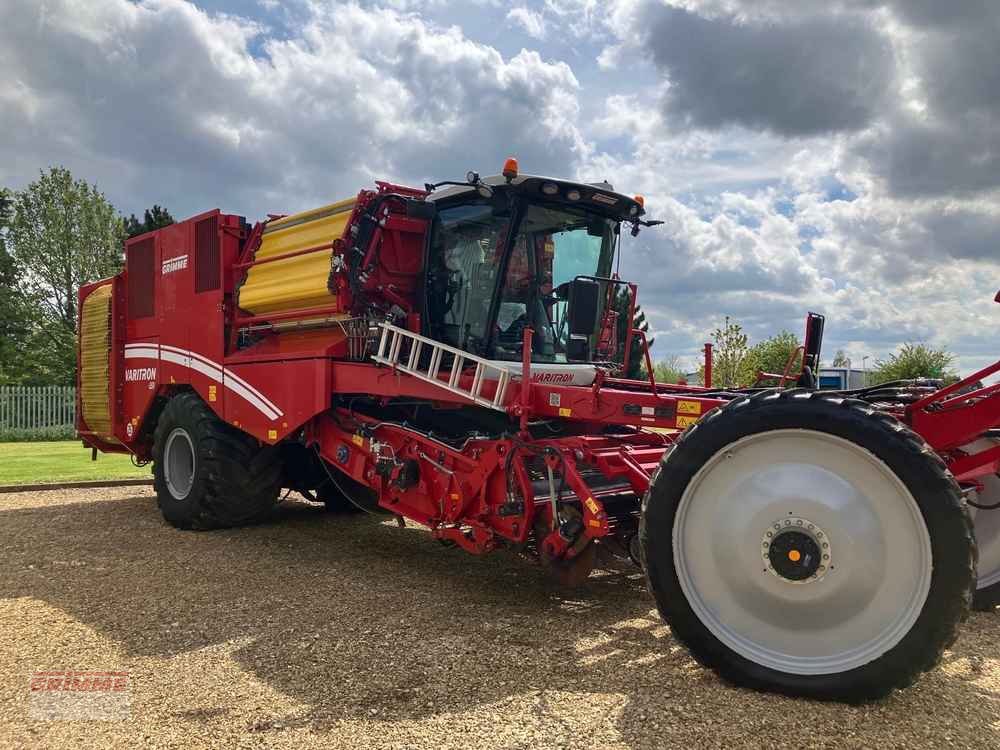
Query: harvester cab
{"x": 513, "y": 251}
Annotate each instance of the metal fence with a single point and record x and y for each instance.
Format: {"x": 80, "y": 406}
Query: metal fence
{"x": 41, "y": 410}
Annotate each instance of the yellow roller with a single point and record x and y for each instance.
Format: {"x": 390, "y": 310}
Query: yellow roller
{"x": 298, "y": 282}
{"x": 95, "y": 350}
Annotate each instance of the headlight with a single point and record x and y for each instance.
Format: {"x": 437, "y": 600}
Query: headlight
{"x": 550, "y": 188}
{"x": 573, "y": 195}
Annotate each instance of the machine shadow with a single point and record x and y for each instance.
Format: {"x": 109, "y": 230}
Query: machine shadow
{"x": 346, "y": 614}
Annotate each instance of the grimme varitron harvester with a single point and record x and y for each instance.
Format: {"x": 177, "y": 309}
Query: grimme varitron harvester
{"x": 452, "y": 355}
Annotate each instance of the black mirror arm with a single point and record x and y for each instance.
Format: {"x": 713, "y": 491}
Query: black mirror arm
{"x": 636, "y": 223}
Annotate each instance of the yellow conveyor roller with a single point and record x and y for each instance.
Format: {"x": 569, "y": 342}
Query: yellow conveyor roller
{"x": 95, "y": 360}
{"x": 299, "y": 282}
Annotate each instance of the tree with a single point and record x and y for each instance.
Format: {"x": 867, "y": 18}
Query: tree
{"x": 840, "y": 359}
{"x": 732, "y": 365}
{"x": 63, "y": 233}
{"x": 13, "y": 326}
{"x": 772, "y": 355}
{"x": 669, "y": 370}
{"x": 153, "y": 218}
{"x": 915, "y": 361}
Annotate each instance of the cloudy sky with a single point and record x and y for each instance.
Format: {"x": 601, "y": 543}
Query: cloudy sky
{"x": 835, "y": 155}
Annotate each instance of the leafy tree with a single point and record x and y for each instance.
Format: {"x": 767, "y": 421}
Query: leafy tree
{"x": 915, "y": 361}
{"x": 732, "y": 365}
{"x": 840, "y": 359}
{"x": 669, "y": 370}
{"x": 13, "y": 326}
{"x": 63, "y": 233}
{"x": 153, "y": 218}
{"x": 772, "y": 355}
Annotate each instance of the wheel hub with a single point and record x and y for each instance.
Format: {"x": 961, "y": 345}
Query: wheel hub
{"x": 179, "y": 463}
{"x": 796, "y": 550}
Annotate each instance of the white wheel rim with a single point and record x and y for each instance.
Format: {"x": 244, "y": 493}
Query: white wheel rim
{"x": 179, "y": 463}
{"x": 987, "y": 523}
{"x": 859, "y": 608}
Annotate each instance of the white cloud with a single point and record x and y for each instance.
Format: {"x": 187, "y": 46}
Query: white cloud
{"x": 531, "y": 21}
{"x": 208, "y": 109}
{"x": 869, "y": 194}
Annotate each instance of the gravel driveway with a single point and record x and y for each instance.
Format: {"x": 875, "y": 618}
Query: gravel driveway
{"x": 346, "y": 632}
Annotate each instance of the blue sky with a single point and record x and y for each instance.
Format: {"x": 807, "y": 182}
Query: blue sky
{"x": 840, "y": 156}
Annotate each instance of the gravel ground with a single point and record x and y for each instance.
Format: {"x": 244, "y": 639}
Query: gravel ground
{"x": 318, "y": 630}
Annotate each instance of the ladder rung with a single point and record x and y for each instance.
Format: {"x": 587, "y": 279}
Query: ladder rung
{"x": 456, "y": 371}
{"x": 435, "y": 363}
{"x": 477, "y": 380}
{"x": 414, "y": 354}
{"x": 397, "y": 341}
{"x": 501, "y": 388}
{"x": 383, "y": 340}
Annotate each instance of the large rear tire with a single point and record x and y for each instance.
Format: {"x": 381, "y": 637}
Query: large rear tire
{"x": 802, "y": 543}
{"x": 208, "y": 475}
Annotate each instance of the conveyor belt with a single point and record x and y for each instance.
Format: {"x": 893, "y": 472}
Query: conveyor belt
{"x": 299, "y": 282}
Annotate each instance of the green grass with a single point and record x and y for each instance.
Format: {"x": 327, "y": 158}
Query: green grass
{"x": 65, "y": 461}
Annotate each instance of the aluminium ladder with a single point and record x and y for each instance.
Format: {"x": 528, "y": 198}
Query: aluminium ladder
{"x": 396, "y": 344}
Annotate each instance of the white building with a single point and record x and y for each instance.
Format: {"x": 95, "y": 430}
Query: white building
{"x": 841, "y": 378}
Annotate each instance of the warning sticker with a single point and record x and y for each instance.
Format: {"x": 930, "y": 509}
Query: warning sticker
{"x": 689, "y": 407}
{"x": 683, "y": 422}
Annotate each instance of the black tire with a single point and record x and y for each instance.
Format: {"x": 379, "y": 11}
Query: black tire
{"x": 923, "y": 473}
{"x": 235, "y": 480}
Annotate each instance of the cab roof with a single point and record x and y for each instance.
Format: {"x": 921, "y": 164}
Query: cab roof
{"x": 599, "y": 196}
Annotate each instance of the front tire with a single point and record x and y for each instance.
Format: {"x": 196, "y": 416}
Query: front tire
{"x": 801, "y": 543}
{"x": 208, "y": 475}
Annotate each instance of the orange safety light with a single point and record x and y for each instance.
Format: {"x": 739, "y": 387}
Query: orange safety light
{"x": 510, "y": 168}
{"x": 640, "y": 200}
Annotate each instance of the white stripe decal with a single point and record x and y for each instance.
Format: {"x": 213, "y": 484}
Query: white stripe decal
{"x": 228, "y": 373}
{"x": 141, "y": 351}
{"x": 208, "y": 368}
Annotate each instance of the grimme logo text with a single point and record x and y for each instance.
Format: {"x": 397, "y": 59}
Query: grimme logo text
{"x": 140, "y": 373}
{"x": 175, "y": 264}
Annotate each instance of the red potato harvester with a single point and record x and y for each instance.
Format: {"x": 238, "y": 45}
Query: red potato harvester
{"x": 454, "y": 355}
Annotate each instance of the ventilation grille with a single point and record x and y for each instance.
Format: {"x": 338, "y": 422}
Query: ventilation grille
{"x": 207, "y": 265}
{"x": 141, "y": 277}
